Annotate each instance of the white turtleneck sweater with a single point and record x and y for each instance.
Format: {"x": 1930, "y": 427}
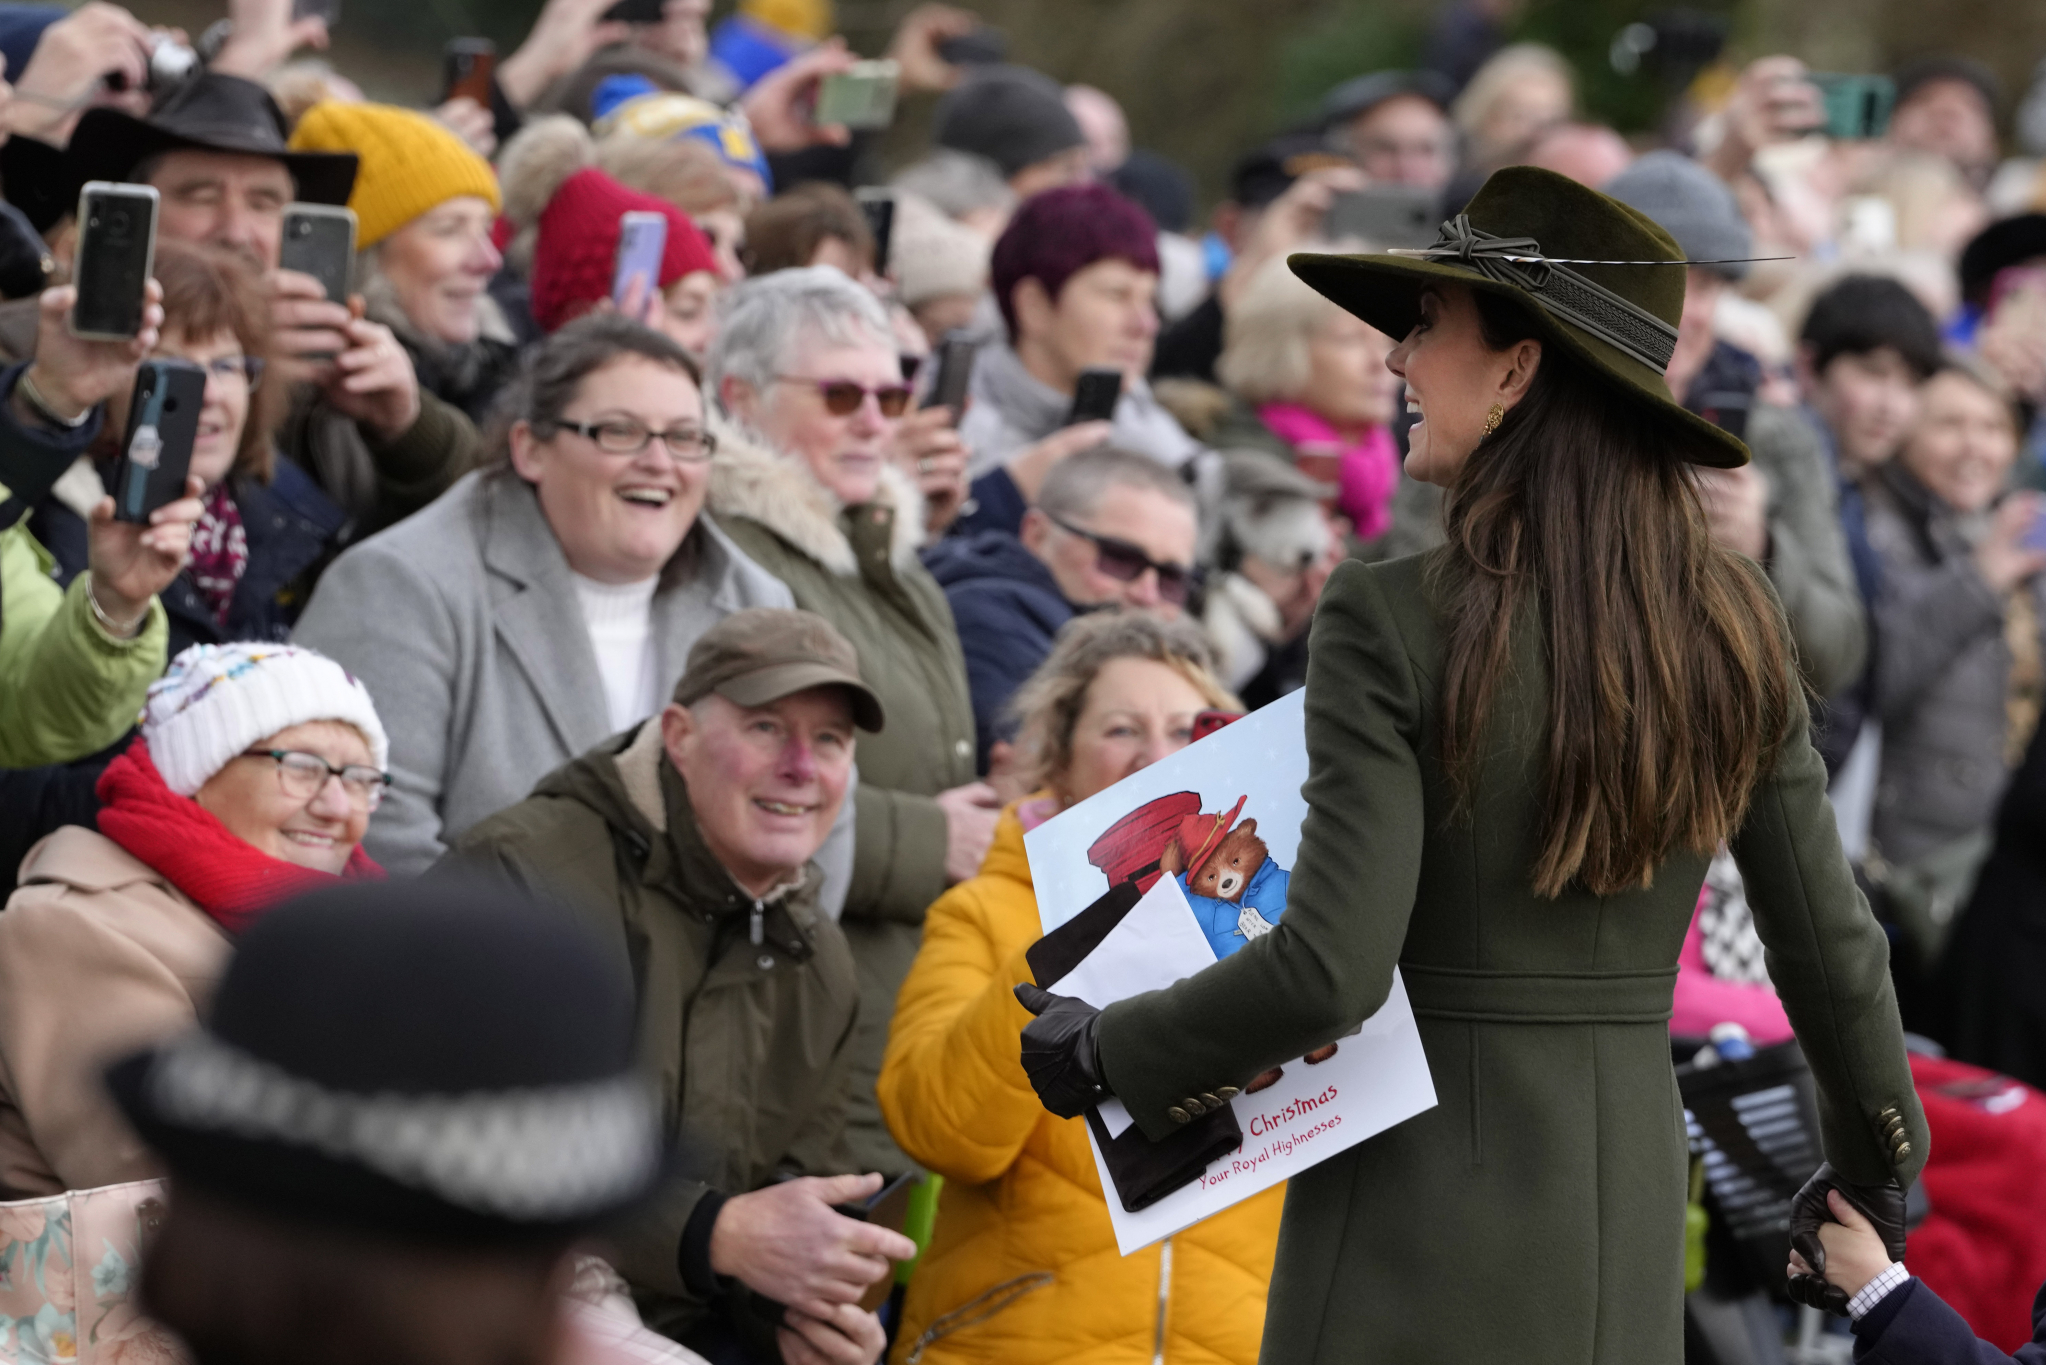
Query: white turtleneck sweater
{"x": 620, "y": 619}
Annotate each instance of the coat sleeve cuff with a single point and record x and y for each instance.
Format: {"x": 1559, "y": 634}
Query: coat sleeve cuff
{"x": 692, "y": 1258}
{"x": 438, "y": 448}
{"x": 898, "y": 856}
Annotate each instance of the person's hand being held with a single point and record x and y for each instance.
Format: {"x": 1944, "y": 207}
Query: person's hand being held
{"x": 2003, "y": 559}
{"x": 1855, "y": 1253}
{"x": 130, "y": 564}
{"x": 970, "y": 815}
{"x": 787, "y": 1241}
{"x": 846, "y": 1336}
{"x": 779, "y": 104}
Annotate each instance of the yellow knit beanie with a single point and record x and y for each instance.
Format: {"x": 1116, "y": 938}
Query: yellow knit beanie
{"x": 409, "y": 163}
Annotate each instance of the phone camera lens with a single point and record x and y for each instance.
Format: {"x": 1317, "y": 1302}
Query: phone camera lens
{"x": 93, "y": 221}
{"x": 117, "y": 221}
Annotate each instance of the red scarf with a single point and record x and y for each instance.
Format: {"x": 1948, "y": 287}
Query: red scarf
{"x": 230, "y": 878}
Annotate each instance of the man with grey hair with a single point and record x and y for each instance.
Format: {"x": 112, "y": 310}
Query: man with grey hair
{"x": 1110, "y": 527}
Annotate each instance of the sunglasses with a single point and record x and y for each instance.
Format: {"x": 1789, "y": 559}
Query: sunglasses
{"x": 1125, "y": 563}
{"x": 842, "y": 397}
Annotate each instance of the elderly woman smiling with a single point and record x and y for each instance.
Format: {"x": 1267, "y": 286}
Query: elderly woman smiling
{"x": 253, "y": 779}
{"x": 547, "y": 602}
{"x": 808, "y": 483}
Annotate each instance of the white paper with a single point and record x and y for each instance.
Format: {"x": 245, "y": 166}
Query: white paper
{"x": 1378, "y": 1076}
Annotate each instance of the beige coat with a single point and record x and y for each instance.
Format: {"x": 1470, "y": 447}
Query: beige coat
{"x": 99, "y": 956}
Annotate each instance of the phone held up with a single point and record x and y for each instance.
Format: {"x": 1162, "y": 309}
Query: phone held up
{"x": 1095, "y": 397}
{"x": 636, "y": 12}
{"x": 642, "y": 241}
{"x": 1857, "y": 107}
{"x": 878, "y": 206}
{"x": 319, "y": 240}
{"x": 861, "y": 98}
{"x": 156, "y": 450}
{"x": 1384, "y": 216}
{"x": 467, "y": 66}
{"x": 116, "y": 250}
{"x": 956, "y": 355}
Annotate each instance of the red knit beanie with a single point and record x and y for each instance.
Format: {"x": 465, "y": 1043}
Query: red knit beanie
{"x": 576, "y": 254}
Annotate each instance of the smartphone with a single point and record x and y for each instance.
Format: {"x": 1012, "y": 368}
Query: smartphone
{"x": 956, "y": 355}
{"x": 116, "y": 249}
{"x": 1095, "y": 397}
{"x": 1385, "y": 216}
{"x": 467, "y": 67}
{"x": 861, "y": 98}
{"x": 1857, "y": 107}
{"x": 330, "y": 10}
{"x": 636, "y": 12}
{"x": 642, "y": 239}
{"x": 879, "y": 207}
{"x": 319, "y": 240}
{"x": 1207, "y": 722}
{"x": 163, "y": 424}
{"x": 888, "y": 1208}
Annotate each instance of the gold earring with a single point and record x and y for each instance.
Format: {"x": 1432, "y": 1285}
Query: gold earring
{"x": 1494, "y": 418}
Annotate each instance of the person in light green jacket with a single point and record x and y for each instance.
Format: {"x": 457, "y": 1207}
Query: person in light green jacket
{"x": 74, "y": 664}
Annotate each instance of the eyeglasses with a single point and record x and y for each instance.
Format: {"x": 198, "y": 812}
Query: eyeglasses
{"x": 842, "y": 397}
{"x": 246, "y": 368}
{"x": 624, "y": 436}
{"x": 304, "y": 775}
{"x": 1126, "y": 563}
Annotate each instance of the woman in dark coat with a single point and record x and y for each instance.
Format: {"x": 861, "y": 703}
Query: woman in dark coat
{"x": 1523, "y": 749}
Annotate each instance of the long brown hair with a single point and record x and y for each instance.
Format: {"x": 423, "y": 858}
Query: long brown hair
{"x": 1670, "y": 673}
{"x": 208, "y": 290}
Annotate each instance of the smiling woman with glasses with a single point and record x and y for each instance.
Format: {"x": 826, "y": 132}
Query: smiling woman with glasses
{"x": 253, "y": 779}
{"x": 549, "y": 601}
{"x": 266, "y": 527}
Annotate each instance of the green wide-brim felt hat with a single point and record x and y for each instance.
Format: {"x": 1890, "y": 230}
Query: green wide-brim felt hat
{"x": 1522, "y": 219}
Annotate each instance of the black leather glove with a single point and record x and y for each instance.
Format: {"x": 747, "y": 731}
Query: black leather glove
{"x": 1882, "y": 1205}
{"x": 1059, "y": 1051}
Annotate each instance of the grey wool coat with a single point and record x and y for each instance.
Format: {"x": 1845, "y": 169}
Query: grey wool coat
{"x": 463, "y": 623}
{"x": 1536, "y": 1214}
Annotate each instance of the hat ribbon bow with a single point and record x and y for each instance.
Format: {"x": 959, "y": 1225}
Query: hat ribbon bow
{"x": 1574, "y": 298}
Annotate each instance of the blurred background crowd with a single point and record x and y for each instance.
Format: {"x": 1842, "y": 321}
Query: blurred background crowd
{"x": 958, "y": 444}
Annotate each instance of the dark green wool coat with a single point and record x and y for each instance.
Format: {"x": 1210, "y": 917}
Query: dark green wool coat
{"x": 857, "y": 568}
{"x": 1536, "y": 1214}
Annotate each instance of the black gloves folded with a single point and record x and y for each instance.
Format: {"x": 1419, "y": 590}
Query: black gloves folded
{"x": 1882, "y": 1205}
{"x": 1059, "y": 1052}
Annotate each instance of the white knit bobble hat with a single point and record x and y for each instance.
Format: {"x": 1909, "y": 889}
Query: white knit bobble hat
{"x": 218, "y": 700}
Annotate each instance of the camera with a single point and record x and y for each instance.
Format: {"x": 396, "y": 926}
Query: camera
{"x": 171, "y": 64}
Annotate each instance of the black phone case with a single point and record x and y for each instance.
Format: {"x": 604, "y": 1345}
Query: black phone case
{"x": 1095, "y": 397}
{"x": 955, "y": 374}
{"x": 156, "y": 449}
{"x": 880, "y": 214}
{"x": 116, "y": 244}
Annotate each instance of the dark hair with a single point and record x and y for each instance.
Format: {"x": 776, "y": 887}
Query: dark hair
{"x": 786, "y": 231}
{"x": 1670, "y": 677}
{"x": 1858, "y": 314}
{"x": 554, "y": 371}
{"x": 1915, "y": 75}
{"x": 242, "y": 1287}
{"x": 208, "y": 290}
{"x": 1057, "y": 234}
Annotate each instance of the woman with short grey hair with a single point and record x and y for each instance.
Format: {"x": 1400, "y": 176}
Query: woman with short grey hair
{"x": 544, "y": 603}
{"x": 806, "y": 482}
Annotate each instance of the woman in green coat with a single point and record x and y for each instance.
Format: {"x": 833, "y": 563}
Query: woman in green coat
{"x": 1523, "y": 749}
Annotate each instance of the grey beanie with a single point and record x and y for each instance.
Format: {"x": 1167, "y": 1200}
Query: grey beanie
{"x": 1692, "y": 204}
{"x": 1013, "y": 116}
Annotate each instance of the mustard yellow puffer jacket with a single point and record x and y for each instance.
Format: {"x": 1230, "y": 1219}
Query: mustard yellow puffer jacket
{"x": 1022, "y": 1266}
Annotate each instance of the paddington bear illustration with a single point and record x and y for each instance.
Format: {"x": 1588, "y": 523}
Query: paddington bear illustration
{"x": 1235, "y": 888}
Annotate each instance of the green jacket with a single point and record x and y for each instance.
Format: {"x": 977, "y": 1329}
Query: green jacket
{"x": 1536, "y": 1213}
{"x": 67, "y": 688}
{"x": 748, "y": 1042}
{"x": 857, "y": 568}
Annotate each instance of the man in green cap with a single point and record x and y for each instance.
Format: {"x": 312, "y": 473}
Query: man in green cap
{"x": 688, "y": 842}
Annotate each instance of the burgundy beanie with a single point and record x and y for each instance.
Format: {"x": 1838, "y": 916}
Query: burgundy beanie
{"x": 576, "y": 253}
{"x": 1057, "y": 234}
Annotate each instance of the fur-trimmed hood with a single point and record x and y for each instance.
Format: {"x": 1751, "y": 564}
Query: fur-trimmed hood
{"x": 750, "y": 479}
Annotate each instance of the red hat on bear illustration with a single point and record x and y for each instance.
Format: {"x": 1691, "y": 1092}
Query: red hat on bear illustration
{"x": 1200, "y": 834}
{"x": 1131, "y": 847}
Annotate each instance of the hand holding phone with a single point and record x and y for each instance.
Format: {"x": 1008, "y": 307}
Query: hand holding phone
{"x": 163, "y": 426}
{"x": 467, "y": 68}
{"x": 110, "y": 268}
{"x": 956, "y": 355}
{"x": 862, "y": 97}
{"x": 642, "y": 242}
{"x": 879, "y": 207}
{"x": 319, "y": 240}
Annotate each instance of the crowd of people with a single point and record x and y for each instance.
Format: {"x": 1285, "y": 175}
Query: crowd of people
{"x": 689, "y": 603}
